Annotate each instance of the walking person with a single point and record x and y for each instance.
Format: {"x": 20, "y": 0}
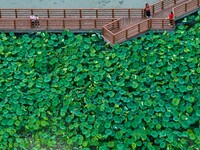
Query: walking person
{"x": 171, "y": 18}
{"x": 147, "y": 11}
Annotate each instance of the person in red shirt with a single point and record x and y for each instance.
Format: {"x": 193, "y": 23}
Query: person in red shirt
{"x": 147, "y": 11}
{"x": 171, "y": 18}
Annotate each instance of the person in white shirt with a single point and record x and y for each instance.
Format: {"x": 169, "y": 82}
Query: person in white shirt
{"x": 37, "y": 21}
{"x": 33, "y": 20}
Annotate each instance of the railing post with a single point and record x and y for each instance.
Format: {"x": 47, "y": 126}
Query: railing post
{"x": 30, "y": 24}
{"x": 80, "y": 24}
{"x": 142, "y": 10}
{"x": 185, "y": 7}
{"x": 118, "y": 24}
{"x": 153, "y": 9}
{"x": 126, "y": 34}
{"x": 103, "y": 31}
{"x": 80, "y": 13}
{"x": 95, "y": 23}
{"x": 64, "y": 13}
{"x": 15, "y": 24}
{"x": 138, "y": 28}
{"x": 162, "y": 23}
{"x": 31, "y": 11}
{"x": 174, "y": 1}
{"x": 0, "y": 13}
{"x": 113, "y": 39}
{"x": 48, "y": 13}
{"x": 129, "y": 13}
{"x": 149, "y": 23}
{"x": 47, "y": 24}
{"x": 63, "y": 24}
{"x": 113, "y": 13}
{"x": 15, "y": 13}
{"x": 173, "y": 23}
{"x": 162, "y": 7}
{"x": 97, "y": 13}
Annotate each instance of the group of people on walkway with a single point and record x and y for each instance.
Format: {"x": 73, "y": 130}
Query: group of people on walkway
{"x": 35, "y": 21}
{"x": 148, "y": 14}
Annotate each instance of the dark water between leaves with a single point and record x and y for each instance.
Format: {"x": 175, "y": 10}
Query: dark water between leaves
{"x": 75, "y": 3}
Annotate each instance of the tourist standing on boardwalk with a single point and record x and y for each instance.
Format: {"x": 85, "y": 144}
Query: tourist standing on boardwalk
{"x": 37, "y": 21}
{"x": 33, "y": 19}
{"x": 171, "y": 18}
{"x": 147, "y": 11}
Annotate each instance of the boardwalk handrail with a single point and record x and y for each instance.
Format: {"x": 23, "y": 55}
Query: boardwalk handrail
{"x": 84, "y": 12}
{"x": 134, "y": 30}
{"x": 185, "y": 7}
{"x": 161, "y": 23}
{"x": 55, "y": 23}
{"x": 80, "y": 13}
{"x": 163, "y": 4}
{"x": 114, "y": 25}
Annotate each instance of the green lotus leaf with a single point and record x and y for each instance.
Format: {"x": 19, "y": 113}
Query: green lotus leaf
{"x": 16, "y": 96}
{"x": 118, "y": 135}
{"x": 185, "y": 124}
{"x": 91, "y": 118}
{"x": 198, "y": 113}
{"x": 191, "y": 99}
{"x": 94, "y": 38}
{"x": 163, "y": 144}
{"x": 81, "y": 82}
{"x": 111, "y": 144}
{"x": 53, "y": 36}
{"x": 111, "y": 93}
{"x": 135, "y": 85}
{"x": 53, "y": 61}
{"x": 120, "y": 146}
{"x": 139, "y": 143}
{"x": 10, "y": 122}
{"x": 47, "y": 78}
{"x": 175, "y": 101}
{"x": 107, "y": 124}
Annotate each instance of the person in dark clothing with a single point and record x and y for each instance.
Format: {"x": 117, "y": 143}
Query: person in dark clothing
{"x": 147, "y": 11}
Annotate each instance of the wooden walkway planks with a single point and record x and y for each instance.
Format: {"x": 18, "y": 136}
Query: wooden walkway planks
{"x": 117, "y": 25}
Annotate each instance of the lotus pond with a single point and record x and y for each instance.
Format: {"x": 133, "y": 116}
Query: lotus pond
{"x": 72, "y": 92}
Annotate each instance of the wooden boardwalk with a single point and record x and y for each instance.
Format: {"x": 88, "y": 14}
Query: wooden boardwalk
{"x": 117, "y": 25}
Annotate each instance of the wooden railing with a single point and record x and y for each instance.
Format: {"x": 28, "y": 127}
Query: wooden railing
{"x": 78, "y": 13}
{"x": 55, "y": 24}
{"x": 186, "y": 7}
{"x": 144, "y": 26}
{"x": 149, "y": 24}
{"x": 85, "y": 13}
{"x": 156, "y": 7}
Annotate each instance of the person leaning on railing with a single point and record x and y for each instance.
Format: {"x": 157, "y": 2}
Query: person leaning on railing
{"x": 147, "y": 11}
{"x": 171, "y": 18}
{"x": 33, "y": 21}
{"x": 37, "y": 21}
